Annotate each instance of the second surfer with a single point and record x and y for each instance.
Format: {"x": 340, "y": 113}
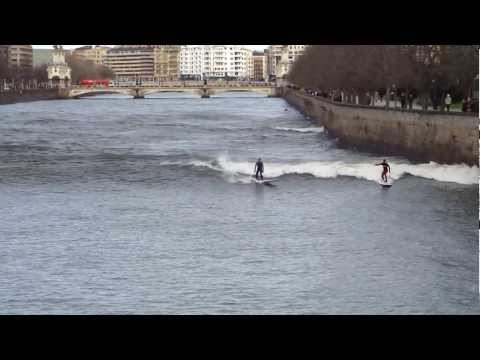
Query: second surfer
{"x": 258, "y": 169}
{"x": 386, "y": 169}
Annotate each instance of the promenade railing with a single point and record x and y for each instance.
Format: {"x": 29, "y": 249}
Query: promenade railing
{"x": 393, "y": 104}
{"x": 13, "y": 85}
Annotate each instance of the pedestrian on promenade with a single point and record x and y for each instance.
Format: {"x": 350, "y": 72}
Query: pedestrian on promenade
{"x": 448, "y": 101}
{"x": 336, "y": 96}
{"x": 467, "y": 105}
{"x": 435, "y": 95}
{"x": 410, "y": 100}
{"x": 368, "y": 98}
{"x": 403, "y": 100}
{"x": 393, "y": 98}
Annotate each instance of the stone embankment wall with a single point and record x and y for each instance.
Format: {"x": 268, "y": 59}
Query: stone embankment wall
{"x": 11, "y": 97}
{"x": 447, "y": 138}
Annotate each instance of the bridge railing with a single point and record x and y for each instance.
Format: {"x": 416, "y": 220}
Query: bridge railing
{"x": 179, "y": 84}
{"x": 89, "y": 87}
{"x": 7, "y": 85}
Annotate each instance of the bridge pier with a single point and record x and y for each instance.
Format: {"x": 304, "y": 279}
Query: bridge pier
{"x": 205, "y": 94}
{"x": 138, "y": 94}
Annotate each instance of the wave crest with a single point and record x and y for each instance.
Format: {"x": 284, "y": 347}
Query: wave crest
{"x": 317, "y": 130}
{"x": 235, "y": 171}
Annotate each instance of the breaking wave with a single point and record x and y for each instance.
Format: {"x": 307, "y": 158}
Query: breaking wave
{"x": 319, "y": 129}
{"x": 234, "y": 171}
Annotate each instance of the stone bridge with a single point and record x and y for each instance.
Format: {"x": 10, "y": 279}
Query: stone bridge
{"x": 140, "y": 91}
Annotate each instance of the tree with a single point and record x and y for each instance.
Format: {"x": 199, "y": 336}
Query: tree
{"x": 459, "y": 65}
{"x": 86, "y": 69}
{"x": 4, "y": 70}
{"x": 105, "y": 72}
{"x": 355, "y": 69}
{"x": 40, "y": 72}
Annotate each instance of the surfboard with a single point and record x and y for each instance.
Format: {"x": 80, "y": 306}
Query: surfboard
{"x": 267, "y": 183}
{"x": 264, "y": 181}
{"x": 387, "y": 184}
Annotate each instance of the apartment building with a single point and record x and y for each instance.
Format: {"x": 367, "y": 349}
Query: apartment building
{"x": 146, "y": 61}
{"x": 167, "y": 62}
{"x": 259, "y": 61}
{"x": 4, "y": 56}
{"x": 131, "y": 60}
{"x": 4, "y": 52}
{"x": 20, "y": 59}
{"x": 95, "y": 54}
{"x": 274, "y": 55}
{"x": 283, "y": 66}
{"x": 294, "y": 51}
{"x": 216, "y": 61}
{"x": 282, "y": 57}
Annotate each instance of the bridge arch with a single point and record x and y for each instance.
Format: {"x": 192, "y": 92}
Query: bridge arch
{"x": 140, "y": 92}
{"x": 78, "y": 93}
{"x": 196, "y": 91}
{"x": 267, "y": 91}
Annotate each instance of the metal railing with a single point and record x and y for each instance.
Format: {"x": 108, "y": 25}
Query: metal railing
{"x": 11, "y": 85}
{"x": 394, "y": 103}
{"x": 180, "y": 84}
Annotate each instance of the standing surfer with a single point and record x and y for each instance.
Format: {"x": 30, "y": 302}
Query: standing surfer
{"x": 258, "y": 169}
{"x": 386, "y": 169}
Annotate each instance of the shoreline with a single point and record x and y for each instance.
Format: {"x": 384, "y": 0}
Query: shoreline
{"x": 445, "y": 138}
{"x": 418, "y": 135}
{"x": 27, "y": 95}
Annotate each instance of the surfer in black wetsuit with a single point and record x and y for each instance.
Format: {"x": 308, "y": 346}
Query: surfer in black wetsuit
{"x": 259, "y": 169}
{"x": 386, "y": 169}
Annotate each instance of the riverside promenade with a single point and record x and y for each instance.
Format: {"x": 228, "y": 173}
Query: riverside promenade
{"x": 27, "y": 95}
{"x": 443, "y": 137}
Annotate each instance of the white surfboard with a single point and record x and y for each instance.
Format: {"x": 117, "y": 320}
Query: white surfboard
{"x": 387, "y": 184}
{"x": 264, "y": 181}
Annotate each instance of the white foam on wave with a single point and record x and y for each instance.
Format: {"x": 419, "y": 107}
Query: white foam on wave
{"x": 461, "y": 174}
{"x": 317, "y": 130}
{"x": 235, "y": 171}
{"x": 228, "y": 175}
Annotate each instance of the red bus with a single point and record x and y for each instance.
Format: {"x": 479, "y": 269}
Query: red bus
{"x": 91, "y": 83}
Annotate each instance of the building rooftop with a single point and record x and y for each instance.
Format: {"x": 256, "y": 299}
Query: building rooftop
{"x": 86, "y": 47}
{"x": 42, "y": 56}
{"x": 129, "y": 48}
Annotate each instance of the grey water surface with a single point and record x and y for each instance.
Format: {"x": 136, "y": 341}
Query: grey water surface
{"x": 111, "y": 205}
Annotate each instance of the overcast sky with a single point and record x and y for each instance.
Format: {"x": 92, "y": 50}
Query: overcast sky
{"x": 253, "y": 47}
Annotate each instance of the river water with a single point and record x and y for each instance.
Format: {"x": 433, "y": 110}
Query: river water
{"x": 111, "y": 205}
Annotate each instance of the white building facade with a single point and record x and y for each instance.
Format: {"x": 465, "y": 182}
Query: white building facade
{"x": 282, "y": 57}
{"x": 274, "y": 55}
{"x": 216, "y": 61}
{"x": 59, "y": 73}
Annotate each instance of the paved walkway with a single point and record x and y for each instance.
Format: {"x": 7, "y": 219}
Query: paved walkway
{"x": 380, "y": 103}
{"x": 396, "y": 105}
